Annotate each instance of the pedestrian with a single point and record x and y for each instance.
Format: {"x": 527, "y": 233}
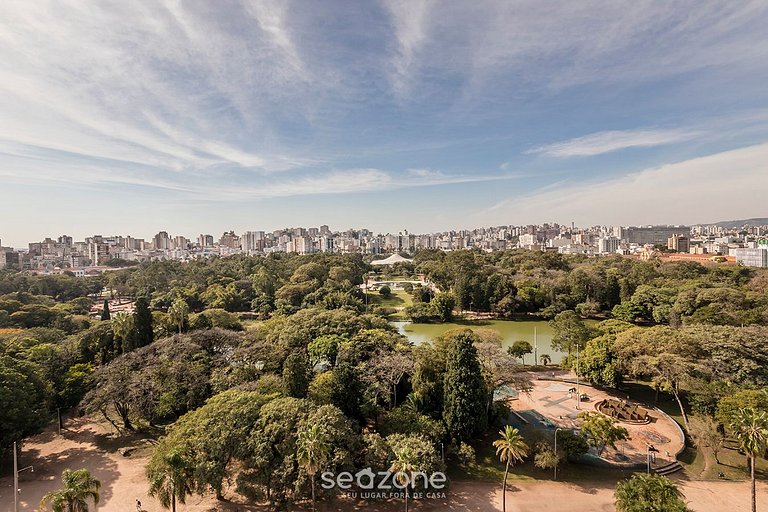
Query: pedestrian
{"x": 138, "y": 506}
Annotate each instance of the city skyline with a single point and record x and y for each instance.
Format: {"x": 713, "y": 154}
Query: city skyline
{"x": 149, "y": 233}
{"x": 394, "y": 114}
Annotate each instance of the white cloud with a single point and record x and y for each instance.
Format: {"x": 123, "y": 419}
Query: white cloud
{"x": 538, "y": 47}
{"x": 410, "y": 21}
{"x": 707, "y": 189}
{"x": 608, "y": 141}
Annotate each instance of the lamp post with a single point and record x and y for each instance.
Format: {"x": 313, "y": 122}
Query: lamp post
{"x": 557, "y": 459}
{"x": 650, "y": 450}
{"x": 16, "y": 472}
{"x": 578, "y": 389}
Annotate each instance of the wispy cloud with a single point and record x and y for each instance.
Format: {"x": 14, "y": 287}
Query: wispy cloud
{"x": 257, "y": 99}
{"x": 410, "y": 20}
{"x": 608, "y": 141}
{"x": 705, "y": 189}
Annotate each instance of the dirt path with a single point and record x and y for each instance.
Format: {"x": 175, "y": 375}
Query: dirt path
{"x": 89, "y": 445}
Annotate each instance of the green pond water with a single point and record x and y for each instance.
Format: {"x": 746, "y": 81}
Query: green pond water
{"x": 538, "y": 334}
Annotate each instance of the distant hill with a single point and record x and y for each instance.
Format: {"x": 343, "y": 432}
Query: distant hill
{"x": 730, "y": 224}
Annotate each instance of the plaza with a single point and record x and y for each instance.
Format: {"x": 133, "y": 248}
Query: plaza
{"x": 551, "y": 403}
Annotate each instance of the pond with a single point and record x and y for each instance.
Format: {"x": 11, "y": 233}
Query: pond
{"x": 538, "y": 334}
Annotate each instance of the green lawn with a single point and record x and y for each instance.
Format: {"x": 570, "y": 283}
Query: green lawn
{"x": 397, "y": 300}
{"x": 487, "y": 467}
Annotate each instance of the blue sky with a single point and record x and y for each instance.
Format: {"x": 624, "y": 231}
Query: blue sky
{"x": 200, "y": 116}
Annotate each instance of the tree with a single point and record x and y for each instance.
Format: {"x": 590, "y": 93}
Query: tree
{"x": 24, "y": 399}
{"x": 464, "y": 390}
{"x": 545, "y": 359}
{"x": 545, "y": 457}
{"x": 598, "y": 364}
{"x": 500, "y": 368}
{"x": 750, "y": 428}
{"x": 385, "y": 291}
{"x": 519, "y": 349}
{"x": 179, "y": 313}
{"x": 142, "y": 323}
{"x": 729, "y": 406}
{"x": 383, "y": 374}
{"x": 570, "y": 331}
{"x": 510, "y": 448}
{"x": 649, "y": 493}
{"x": 601, "y": 431}
{"x": 443, "y": 305}
{"x": 347, "y": 391}
{"x": 325, "y": 349}
{"x": 171, "y": 478}
{"x": 105, "y": 310}
{"x": 214, "y": 435}
{"x": 122, "y": 326}
{"x": 669, "y": 356}
{"x": 296, "y": 375}
{"x": 572, "y": 445}
{"x": 705, "y": 432}
{"x": 412, "y": 455}
{"x": 313, "y": 451}
{"x": 79, "y": 488}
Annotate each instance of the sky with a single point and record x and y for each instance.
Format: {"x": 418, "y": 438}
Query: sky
{"x": 192, "y": 117}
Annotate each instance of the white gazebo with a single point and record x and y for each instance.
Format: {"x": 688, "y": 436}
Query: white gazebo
{"x": 395, "y": 258}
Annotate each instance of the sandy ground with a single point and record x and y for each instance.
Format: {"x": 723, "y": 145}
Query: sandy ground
{"x": 88, "y": 445}
{"x": 552, "y": 400}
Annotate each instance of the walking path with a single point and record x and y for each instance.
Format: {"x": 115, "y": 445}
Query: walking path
{"x": 89, "y": 445}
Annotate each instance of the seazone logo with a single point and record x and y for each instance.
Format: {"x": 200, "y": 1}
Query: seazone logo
{"x": 386, "y": 484}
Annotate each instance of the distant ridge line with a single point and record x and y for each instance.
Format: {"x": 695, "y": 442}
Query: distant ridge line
{"x": 757, "y": 221}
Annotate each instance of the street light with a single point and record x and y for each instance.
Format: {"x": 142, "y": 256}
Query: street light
{"x": 578, "y": 389}
{"x": 16, "y": 472}
{"x": 650, "y": 449}
{"x": 557, "y": 459}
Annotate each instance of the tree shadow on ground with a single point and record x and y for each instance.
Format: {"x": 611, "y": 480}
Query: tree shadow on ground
{"x": 48, "y": 468}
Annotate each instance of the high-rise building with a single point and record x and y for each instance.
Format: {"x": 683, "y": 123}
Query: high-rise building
{"x": 678, "y": 243}
{"x": 654, "y": 235}
{"x": 205, "y": 240}
{"x": 162, "y": 241}
{"x": 252, "y": 241}
{"x": 230, "y": 239}
{"x": 752, "y": 257}
{"x": 608, "y": 244}
{"x": 180, "y": 242}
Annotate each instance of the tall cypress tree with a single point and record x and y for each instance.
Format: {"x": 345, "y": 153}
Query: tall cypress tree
{"x": 105, "y": 311}
{"x": 296, "y": 375}
{"x": 142, "y": 323}
{"x": 347, "y": 392}
{"x": 464, "y": 391}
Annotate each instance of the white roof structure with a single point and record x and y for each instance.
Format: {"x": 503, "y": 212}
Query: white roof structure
{"x": 395, "y": 258}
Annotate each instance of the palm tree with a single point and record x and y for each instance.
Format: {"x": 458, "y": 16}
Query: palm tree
{"x": 313, "y": 451}
{"x": 122, "y": 326}
{"x": 545, "y": 359}
{"x": 79, "y": 487}
{"x": 170, "y": 479}
{"x": 403, "y": 466}
{"x": 179, "y": 312}
{"x": 510, "y": 448}
{"x": 750, "y": 427}
{"x": 649, "y": 493}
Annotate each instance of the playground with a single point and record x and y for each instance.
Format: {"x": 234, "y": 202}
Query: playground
{"x": 556, "y": 401}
